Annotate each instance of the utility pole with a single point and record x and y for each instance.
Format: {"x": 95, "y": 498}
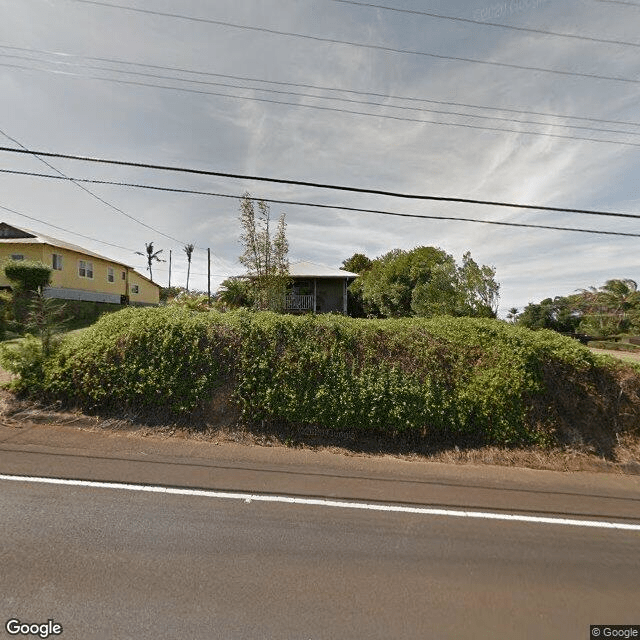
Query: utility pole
{"x": 169, "y": 268}
{"x": 209, "y": 275}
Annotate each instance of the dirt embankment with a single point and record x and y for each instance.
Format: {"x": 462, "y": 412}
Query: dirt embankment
{"x": 222, "y": 425}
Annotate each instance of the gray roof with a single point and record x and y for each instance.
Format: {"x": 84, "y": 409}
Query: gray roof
{"x": 315, "y": 270}
{"x": 40, "y": 238}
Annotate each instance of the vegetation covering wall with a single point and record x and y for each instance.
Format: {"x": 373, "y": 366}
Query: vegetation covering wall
{"x": 467, "y": 380}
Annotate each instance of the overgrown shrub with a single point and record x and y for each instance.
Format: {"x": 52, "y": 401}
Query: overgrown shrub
{"x": 6, "y": 313}
{"x": 191, "y": 300}
{"x": 27, "y": 360}
{"x": 27, "y": 275}
{"x": 154, "y": 359}
{"x": 461, "y": 379}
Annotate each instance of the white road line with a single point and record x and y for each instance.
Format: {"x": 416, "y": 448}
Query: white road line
{"x": 321, "y": 502}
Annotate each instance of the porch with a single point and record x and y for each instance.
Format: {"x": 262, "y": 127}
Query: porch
{"x": 294, "y": 302}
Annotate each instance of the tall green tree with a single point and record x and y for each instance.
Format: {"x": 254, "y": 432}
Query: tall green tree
{"x": 612, "y": 308}
{"x": 357, "y": 263}
{"x": 562, "y": 314}
{"x": 426, "y": 281}
{"x": 151, "y": 256}
{"x": 597, "y": 311}
{"x": 264, "y": 255}
{"x": 188, "y": 249}
{"x": 479, "y": 290}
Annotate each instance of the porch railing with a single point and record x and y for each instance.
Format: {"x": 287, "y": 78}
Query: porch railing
{"x": 295, "y": 302}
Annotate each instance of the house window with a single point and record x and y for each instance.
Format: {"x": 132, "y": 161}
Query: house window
{"x": 57, "y": 261}
{"x": 85, "y": 269}
{"x": 17, "y": 256}
{"x": 110, "y": 275}
{"x": 124, "y": 275}
{"x": 135, "y": 288}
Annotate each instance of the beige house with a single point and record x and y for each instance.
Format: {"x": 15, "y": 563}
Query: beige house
{"x": 77, "y": 274}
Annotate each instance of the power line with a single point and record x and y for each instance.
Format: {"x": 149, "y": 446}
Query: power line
{"x": 491, "y": 24}
{"x": 292, "y": 84}
{"x": 630, "y": 4}
{"x": 80, "y": 235}
{"x": 363, "y": 45}
{"x": 301, "y": 183}
{"x": 93, "y": 195}
{"x": 302, "y": 95}
{"x": 379, "y": 211}
{"x": 75, "y": 233}
{"x": 332, "y": 109}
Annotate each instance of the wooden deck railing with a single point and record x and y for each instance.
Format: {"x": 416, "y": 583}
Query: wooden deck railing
{"x": 294, "y": 302}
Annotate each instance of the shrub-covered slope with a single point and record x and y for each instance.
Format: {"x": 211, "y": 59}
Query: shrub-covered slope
{"x": 466, "y": 380}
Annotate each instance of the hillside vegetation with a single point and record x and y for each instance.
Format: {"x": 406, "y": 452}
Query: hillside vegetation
{"x": 460, "y": 380}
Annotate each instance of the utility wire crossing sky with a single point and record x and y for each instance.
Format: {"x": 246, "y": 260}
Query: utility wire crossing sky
{"x": 528, "y": 117}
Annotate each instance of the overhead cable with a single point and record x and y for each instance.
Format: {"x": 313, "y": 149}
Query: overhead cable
{"x": 363, "y": 45}
{"x": 197, "y": 72}
{"x": 630, "y": 4}
{"x": 485, "y": 23}
{"x": 301, "y": 183}
{"x": 333, "y": 109}
{"x": 304, "y": 95}
{"x": 80, "y": 235}
{"x": 377, "y": 211}
{"x": 75, "y": 233}
{"x": 91, "y": 193}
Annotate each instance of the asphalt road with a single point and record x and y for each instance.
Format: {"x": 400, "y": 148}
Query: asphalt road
{"x": 114, "y": 563}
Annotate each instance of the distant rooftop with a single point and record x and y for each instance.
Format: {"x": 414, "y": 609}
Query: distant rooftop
{"x": 314, "y": 270}
{"x": 20, "y": 235}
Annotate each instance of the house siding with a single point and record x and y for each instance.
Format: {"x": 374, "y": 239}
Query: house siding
{"x": 148, "y": 293}
{"x": 329, "y": 295}
{"x": 69, "y": 285}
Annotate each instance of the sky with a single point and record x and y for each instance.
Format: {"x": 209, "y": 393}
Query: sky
{"x": 264, "y": 88}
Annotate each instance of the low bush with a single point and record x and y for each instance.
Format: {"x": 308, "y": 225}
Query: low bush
{"x": 27, "y": 360}
{"x": 460, "y": 379}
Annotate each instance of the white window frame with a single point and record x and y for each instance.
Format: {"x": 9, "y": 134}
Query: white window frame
{"x": 56, "y": 261}
{"x": 85, "y": 269}
{"x": 111, "y": 274}
{"x": 135, "y": 288}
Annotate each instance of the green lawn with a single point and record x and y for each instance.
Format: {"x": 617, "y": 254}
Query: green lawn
{"x": 16, "y": 340}
{"x": 627, "y": 356}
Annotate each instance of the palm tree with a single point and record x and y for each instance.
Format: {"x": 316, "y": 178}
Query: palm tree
{"x": 611, "y": 303}
{"x": 188, "y": 249}
{"x": 235, "y": 292}
{"x": 151, "y": 255}
{"x": 512, "y": 315}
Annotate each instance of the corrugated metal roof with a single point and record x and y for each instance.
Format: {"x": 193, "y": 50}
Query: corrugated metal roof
{"x": 314, "y": 270}
{"x": 40, "y": 238}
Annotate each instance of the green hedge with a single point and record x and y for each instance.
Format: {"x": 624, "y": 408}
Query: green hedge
{"x": 475, "y": 380}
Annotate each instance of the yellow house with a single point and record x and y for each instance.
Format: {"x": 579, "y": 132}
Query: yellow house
{"x": 77, "y": 274}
